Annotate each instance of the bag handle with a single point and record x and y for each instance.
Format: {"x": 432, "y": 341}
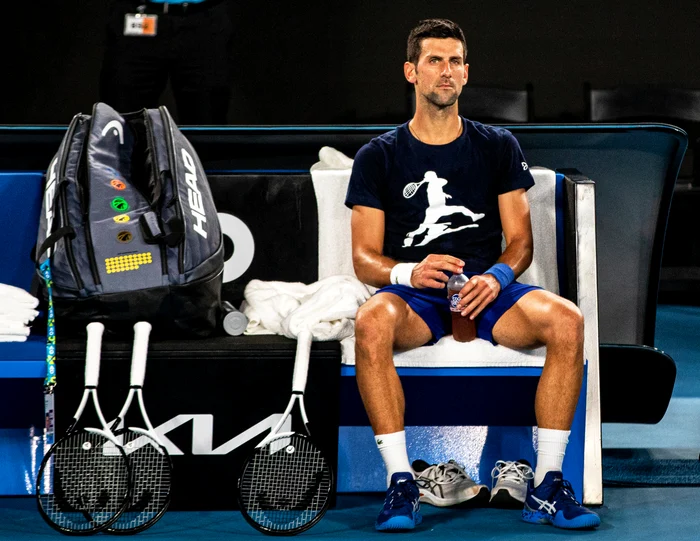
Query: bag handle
{"x": 52, "y": 239}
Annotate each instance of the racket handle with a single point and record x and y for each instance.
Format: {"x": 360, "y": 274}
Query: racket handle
{"x": 93, "y": 352}
{"x": 142, "y": 330}
{"x": 301, "y": 362}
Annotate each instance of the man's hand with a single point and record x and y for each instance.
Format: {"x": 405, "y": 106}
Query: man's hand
{"x": 476, "y": 295}
{"x": 429, "y": 272}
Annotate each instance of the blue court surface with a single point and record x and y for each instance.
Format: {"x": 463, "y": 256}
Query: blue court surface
{"x": 628, "y": 514}
{"x": 658, "y": 513}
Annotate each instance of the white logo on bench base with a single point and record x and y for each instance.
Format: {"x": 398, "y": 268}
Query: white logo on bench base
{"x": 243, "y": 246}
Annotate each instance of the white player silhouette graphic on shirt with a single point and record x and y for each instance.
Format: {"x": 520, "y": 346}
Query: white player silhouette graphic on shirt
{"x": 437, "y": 208}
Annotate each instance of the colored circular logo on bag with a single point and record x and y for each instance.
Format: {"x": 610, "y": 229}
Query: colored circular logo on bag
{"x": 122, "y": 218}
{"x": 117, "y": 184}
{"x": 124, "y": 237}
{"x": 119, "y": 204}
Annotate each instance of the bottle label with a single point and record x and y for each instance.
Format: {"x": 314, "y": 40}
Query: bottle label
{"x": 454, "y": 299}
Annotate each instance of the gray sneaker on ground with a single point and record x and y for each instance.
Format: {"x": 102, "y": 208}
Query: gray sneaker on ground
{"x": 447, "y": 484}
{"x": 509, "y": 483}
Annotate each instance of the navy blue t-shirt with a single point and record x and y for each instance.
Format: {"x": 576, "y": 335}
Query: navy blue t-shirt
{"x": 440, "y": 199}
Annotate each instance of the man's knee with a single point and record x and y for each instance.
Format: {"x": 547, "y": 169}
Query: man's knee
{"x": 375, "y": 320}
{"x": 565, "y": 324}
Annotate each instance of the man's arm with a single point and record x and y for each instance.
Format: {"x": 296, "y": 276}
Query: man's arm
{"x": 374, "y": 268}
{"x": 517, "y": 230}
{"x": 371, "y": 266}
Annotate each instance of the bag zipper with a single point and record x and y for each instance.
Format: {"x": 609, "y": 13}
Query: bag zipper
{"x": 155, "y": 205}
{"x": 64, "y": 205}
{"x": 176, "y": 193}
{"x": 82, "y": 167}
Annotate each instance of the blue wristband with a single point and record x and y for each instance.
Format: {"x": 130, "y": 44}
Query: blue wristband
{"x": 503, "y": 273}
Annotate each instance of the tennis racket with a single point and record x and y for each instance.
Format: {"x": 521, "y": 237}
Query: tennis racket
{"x": 286, "y": 483}
{"x": 151, "y": 466}
{"x": 410, "y": 189}
{"x": 83, "y": 483}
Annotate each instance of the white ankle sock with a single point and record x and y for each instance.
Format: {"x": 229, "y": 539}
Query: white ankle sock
{"x": 551, "y": 447}
{"x": 393, "y": 450}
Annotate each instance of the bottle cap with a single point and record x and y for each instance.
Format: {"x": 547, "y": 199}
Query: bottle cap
{"x": 235, "y": 323}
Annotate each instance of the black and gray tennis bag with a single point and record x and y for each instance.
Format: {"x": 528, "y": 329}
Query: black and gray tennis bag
{"x": 130, "y": 227}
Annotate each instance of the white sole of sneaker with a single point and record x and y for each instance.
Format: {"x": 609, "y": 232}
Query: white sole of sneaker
{"x": 476, "y": 495}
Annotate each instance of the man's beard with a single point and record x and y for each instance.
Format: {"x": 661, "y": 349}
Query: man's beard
{"x": 441, "y": 101}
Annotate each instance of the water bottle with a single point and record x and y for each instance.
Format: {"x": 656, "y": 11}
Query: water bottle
{"x": 463, "y": 328}
{"x": 234, "y": 322}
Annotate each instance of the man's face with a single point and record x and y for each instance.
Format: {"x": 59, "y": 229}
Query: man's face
{"x": 440, "y": 72}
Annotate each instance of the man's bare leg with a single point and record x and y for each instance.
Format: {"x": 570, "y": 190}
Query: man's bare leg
{"x": 384, "y": 323}
{"x": 537, "y": 318}
{"x": 540, "y": 317}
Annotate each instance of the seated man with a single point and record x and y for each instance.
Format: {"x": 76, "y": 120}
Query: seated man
{"x": 408, "y": 239}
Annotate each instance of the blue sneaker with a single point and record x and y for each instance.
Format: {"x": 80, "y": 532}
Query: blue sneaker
{"x": 553, "y": 502}
{"x": 401, "y": 507}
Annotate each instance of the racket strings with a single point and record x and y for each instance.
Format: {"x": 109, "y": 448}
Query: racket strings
{"x": 151, "y": 482}
{"x": 286, "y": 485}
{"x": 84, "y": 482}
{"x": 410, "y": 189}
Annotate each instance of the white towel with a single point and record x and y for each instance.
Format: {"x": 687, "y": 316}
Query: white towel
{"x": 330, "y": 158}
{"x": 11, "y": 295}
{"x": 23, "y": 314}
{"x": 22, "y": 320}
{"x": 450, "y": 353}
{"x": 16, "y": 311}
{"x": 6, "y": 325}
{"x": 330, "y": 178}
{"x": 543, "y": 270}
{"x": 12, "y": 338}
{"x": 10, "y": 305}
{"x": 325, "y": 308}
{"x": 16, "y": 307}
{"x": 14, "y": 331}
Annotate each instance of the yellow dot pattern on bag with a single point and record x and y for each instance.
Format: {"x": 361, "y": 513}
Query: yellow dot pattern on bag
{"x": 129, "y": 262}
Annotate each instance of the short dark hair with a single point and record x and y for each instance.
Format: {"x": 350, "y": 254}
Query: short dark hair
{"x": 432, "y": 28}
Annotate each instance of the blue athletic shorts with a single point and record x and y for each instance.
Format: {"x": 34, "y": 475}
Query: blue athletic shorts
{"x": 433, "y": 308}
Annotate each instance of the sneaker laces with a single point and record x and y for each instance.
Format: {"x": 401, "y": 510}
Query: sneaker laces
{"x": 444, "y": 473}
{"x": 567, "y": 490}
{"x": 511, "y": 471}
{"x": 400, "y": 495}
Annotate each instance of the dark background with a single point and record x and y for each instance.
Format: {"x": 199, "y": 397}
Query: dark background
{"x": 328, "y": 63}
{"x": 317, "y": 62}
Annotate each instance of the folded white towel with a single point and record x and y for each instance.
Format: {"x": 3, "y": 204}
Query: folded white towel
{"x": 12, "y": 338}
{"x": 330, "y": 178}
{"x": 12, "y": 324}
{"x": 17, "y": 296}
{"x": 330, "y": 158}
{"x": 18, "y": 314}
{"x": 19, "y": 331}
{"x": 14, "y": 319}
{"x": 450, "y": 353}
